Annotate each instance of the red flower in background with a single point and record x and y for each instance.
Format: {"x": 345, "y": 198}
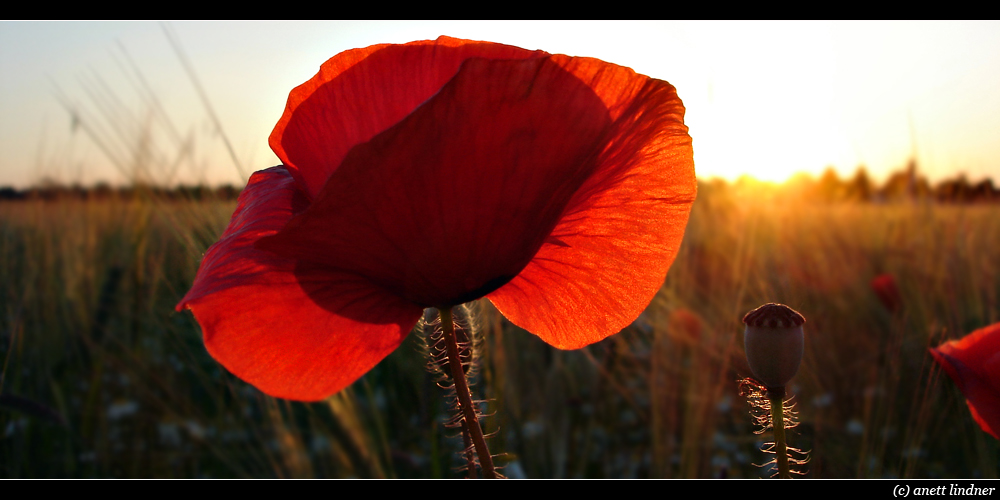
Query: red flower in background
{"x": 435, "y": 173}
{"x": 686, "y": 325}
{"x": 884, "y": 285}
{"x": 973, "y": 363}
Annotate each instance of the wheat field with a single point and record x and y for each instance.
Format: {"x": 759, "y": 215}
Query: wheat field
{"x": 102, "y": 378}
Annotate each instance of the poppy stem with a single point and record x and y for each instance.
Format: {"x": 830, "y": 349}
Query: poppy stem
{"x": 470, "y": 461}
{"x": 469, "y": 412}
{"x": 777, "y": 396}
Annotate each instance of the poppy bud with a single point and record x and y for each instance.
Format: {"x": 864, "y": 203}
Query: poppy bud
{"x": 774, "y": 343}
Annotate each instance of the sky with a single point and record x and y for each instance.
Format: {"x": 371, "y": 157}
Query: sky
{"x": 88, "y": 102}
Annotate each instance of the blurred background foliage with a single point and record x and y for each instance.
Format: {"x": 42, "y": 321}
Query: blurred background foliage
{"x": 102, "y": 378}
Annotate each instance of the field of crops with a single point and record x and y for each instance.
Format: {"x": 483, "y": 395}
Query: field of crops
{"x": 101, "y": 377}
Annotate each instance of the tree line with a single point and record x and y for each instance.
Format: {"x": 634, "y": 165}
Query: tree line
{"x": 903, "y": 185}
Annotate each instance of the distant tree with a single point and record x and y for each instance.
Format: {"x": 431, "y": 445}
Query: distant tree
{"x": 230, "y": 192}
{"x": 985, "y": 192}
{"x": 830, "y": 187}
{"x": 906, "y": 185}
{"x": 860, "y": 187}
{"x": 9, "y": 193}
{"x": 957, "y": 190}
{"x": 101, "y": 191}
{"x": 923, "y": 189}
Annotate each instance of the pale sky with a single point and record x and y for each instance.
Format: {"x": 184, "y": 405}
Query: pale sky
{"x": 763, "y": 98}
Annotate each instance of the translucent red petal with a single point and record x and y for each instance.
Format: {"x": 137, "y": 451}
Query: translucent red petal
{"x": 455, "y": 200}
{"x": 360, "y": 93}
{"x": 610, "y": 252}
{"x": 973, "y": 363}
{"x": 291, "y": 329}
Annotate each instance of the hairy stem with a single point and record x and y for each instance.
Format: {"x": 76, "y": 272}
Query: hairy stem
{"x": 465, "y": 396}
{"x": 469, "y": 459}
{"x": 778, "y": 424}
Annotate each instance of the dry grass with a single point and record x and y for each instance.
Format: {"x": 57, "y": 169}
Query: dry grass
{"x": 101, "y": 378}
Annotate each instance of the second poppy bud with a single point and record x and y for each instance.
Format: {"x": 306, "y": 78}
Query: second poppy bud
{"x": 774, "y": 343}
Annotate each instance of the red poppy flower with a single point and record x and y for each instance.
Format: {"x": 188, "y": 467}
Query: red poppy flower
{"x": 686, "y": 325}
{"x": 884, "y": 286}
{"x": 435, "y": 173}
{"x": 973, "y": 363}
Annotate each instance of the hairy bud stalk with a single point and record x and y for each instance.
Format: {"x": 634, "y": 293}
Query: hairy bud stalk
{"x": 771, "y": 413}
{"x": 466, "y": 334}
{"x": 452, "y": 348}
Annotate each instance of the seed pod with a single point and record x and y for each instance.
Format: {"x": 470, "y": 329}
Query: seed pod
{"x": 774, "y": 344}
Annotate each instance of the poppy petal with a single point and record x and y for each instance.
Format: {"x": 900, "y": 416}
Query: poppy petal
{"x": 973, "y": 363}
{"x": 610, "y": 252}
{"x": 362, "y": 92}
{"x": 291, "y": 329}
{"x": 453, "y": 201}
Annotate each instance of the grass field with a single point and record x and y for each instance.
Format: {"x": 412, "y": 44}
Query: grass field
{"x": 102, "y": 378}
